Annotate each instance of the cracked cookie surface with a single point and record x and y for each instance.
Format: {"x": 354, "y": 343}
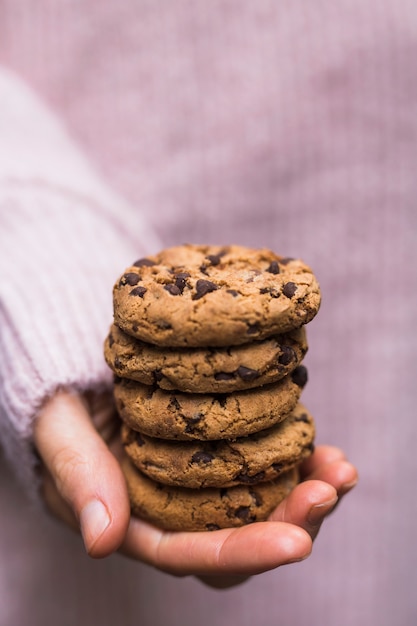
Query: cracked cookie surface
{"x": 247, "y": 460}
{"x": 186, "y": 416}
{"x": 196, "y": 296}
{"x": 181, "y": 509}
{"x": 205, "y": 370}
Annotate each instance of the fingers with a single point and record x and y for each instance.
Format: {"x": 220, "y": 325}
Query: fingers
{"x": 328, "y": 476}
{"x": 255, "y": 548}
{"x": 87, "y": 476}
{"x": 329, "y": 465}
{"x": 55, "y": 503}
{"x": 241, "y": 551}
{"x": 307, "y": 506}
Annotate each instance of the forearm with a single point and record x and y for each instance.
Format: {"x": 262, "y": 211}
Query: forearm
{"x": 64, "y": 238}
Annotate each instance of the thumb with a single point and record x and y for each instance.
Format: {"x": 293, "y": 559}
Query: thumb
{"x": 86, "y": 474}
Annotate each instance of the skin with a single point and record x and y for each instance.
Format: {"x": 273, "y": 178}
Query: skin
{"x": 77, "y": 439}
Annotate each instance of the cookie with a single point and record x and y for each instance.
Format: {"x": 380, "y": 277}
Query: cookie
{"x": 248, "y": 460}
{"x": 180, "y": 509}
{"x": 183, "y": 416}
{"x": 205, "y": 370}
{"x": 197, "y": 296}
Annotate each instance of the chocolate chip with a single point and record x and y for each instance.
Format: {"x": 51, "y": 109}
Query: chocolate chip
{"x": 118, "y": 363}
{"x": 277, "y": 467}
{"x": 145, "y": 262}
{"x": 285, "y": 260}
{"x": 110, "y": 340}
{"x": 138, "y": 291}
{"x": 287, "y": 355}
{"x": 181, "y": 280}
{"x": 224, "y": 376}
{"x": 130, "y": 278}
{"x": 172, "y": 289}
{"x": 302, "y": 418}
{"x": 246, "y": 373}
{"x": 191, "y": 422}
{"x": 253, "y": 329}
{"x": 273, "y": 268}
{"x": 203, "y": 287}
{"x": 210, "y": 526}
{"x": 223, "y": 492}
{"x": 251, "y": 480}
{"x": 244, "y": 514}
{"x": 174, "y": 404}
{"x": 202, "y": 457}
{"x": 214, "y": 258}
{"x": 222, "y": 399}
{"x": 233, "y": 292}
{"x": 300, "y": 376}
{"x": 289, "y": 289}
{"x": 272, "y": 291}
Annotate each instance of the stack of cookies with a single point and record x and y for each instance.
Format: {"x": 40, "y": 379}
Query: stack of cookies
{"x": 207, "y": 347}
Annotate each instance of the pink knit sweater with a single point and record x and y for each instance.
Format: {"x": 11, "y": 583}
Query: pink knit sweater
{"x": 292, "y": 125}
{"x": 65, "y": 237}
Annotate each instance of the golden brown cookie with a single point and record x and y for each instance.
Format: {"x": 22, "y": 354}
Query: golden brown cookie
{"x": 247, "y": 460}
{"x": 205, "y": 370}
{"x": 196, "y": 296}
{"x": 180, "y": 509}
{"x": 183, "y": 416}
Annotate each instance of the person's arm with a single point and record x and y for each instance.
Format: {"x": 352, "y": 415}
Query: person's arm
{"x": 64, "y": 237}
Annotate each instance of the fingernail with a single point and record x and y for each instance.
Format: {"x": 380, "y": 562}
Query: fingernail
{"x": 348, "y": 486}
{"x": 94, "y": 519}
{"x": 319, "y": 511}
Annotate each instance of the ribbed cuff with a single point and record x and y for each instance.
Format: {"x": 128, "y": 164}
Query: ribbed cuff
{"x": 60, "y": 258}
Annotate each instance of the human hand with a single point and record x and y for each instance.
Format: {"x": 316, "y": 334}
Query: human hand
{"x": 77, "y": 439}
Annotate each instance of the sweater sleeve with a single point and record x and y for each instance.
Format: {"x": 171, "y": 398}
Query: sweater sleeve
{"x": 64, "y": 239}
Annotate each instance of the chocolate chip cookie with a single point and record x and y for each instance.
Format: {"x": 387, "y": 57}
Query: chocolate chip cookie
{"x": 247, "y": 460}
{"x": 186, "y": 416}
{"x": 205, "y": 370}
{"x": 197, "y": 296}
{"x": 181, "y": 509}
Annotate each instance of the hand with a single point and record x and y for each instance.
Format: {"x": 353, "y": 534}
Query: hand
{"x": 76, "y": 437}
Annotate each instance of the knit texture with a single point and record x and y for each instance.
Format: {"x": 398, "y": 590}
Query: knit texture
{"x": 64, "y": 240}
